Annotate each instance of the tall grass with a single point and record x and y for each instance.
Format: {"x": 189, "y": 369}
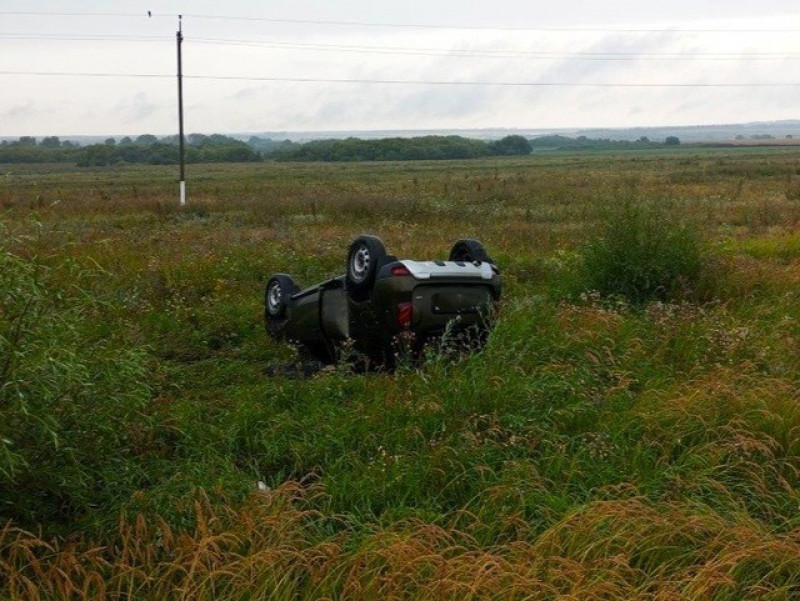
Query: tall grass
{"x": 71, "y": 396}
{"x": 278, "y": 546}
{"x": 642, "y": 446}
{"x": 643, "y": 252}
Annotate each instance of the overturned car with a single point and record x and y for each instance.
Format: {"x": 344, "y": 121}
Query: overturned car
{"x": 383, "y": 306}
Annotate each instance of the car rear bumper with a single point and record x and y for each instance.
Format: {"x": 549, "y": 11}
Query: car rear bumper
{"x": 435, "y": 304}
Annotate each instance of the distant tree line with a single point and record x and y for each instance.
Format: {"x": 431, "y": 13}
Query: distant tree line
{"x": 557, "y": 142}
{"x": 764, "y": 137}
{"x": 400, "y": 149}
{"x": 217, "y": 148}
{"x": 149, "y": 149}
{"x": 388, "y": 149}
{"x": 144, "y": 149}
{"x": 26, "y": 150}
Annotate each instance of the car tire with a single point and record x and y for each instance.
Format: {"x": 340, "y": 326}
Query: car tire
{"x": 277, "y": 295}
{"x": 469, "y": 250}
{"x": 364, "y": 257}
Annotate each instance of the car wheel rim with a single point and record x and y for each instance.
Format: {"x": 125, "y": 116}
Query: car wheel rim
{"x": 359, "y": 265}
{"x": 274, "y": 298}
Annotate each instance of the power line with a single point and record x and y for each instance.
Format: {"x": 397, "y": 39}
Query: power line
{"x": 498, "y": 52}
{"x": 341, "y": 23}
{"x": 416, "y": 51}
{"x": 498, "y": 83}
{"x": 408, "y": 81}
{"x": 460, "y": 53}
{"x": 86, "y": 74}
{"x": 85, "y": 37}
{"x": 484, "y": 27}
{"x": 96, "y": 14}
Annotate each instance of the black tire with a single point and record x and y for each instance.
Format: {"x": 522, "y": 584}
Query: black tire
{"x": 277, "y": 295}
{"x": 364, "y": 257}
{"x": 469, "y": 250}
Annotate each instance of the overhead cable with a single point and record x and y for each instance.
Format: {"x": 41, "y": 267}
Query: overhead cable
{"x": 410, "y": 81}
{"x": 344, "y": 23}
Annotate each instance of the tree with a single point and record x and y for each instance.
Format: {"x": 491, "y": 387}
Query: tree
{"x": 672, "y": 141}
{"x": 510, "y": 146}
{"x": 97, "y": 155}
{"x": 110, "y": 142}
{"x": 146, "y": 140}
{"x": 50, "y": 142}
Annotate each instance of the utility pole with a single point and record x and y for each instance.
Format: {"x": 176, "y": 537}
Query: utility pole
{"x": 182, "y": 181}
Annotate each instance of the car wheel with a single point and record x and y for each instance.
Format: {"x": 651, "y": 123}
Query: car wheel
{"x": 277, "y": 295}
{"x": 365, "y": 255}
{"x": 469, "y": 250}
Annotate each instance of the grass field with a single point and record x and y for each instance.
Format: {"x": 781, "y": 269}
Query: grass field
{"x": 603, "y": 446}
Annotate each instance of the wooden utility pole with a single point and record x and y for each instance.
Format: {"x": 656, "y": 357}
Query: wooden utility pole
{"x": 182, "y": 181}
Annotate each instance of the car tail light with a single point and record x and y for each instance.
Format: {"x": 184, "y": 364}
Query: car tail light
{"x": 400, "y": 270}
{"x": 404, "y": 314}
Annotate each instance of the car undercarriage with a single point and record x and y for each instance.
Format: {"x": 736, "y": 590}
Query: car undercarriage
{"x": 383, "y": 307}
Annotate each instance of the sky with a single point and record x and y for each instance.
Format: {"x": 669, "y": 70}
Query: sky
{"x": 258, "y": 50}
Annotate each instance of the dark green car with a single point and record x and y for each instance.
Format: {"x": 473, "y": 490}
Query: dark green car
{"x": 382, "y": 305}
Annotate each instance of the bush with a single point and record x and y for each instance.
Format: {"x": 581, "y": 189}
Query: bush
{"x": 643, "y": 252}
{"x": 70, "y": 397}
{"x": 510, "y": 146}
{"x": 386, "y": 149}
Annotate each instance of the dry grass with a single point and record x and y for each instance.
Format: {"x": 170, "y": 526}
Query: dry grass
{"x": 278, "y": 547}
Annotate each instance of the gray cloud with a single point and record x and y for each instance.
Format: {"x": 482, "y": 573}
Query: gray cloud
{"x": 246, "y": 93}
{"x": 22, "y": 111}
{"x": 136, "y": 108}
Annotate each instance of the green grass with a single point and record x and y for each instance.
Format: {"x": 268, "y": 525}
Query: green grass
{"x": 600, "y": 447}
{"x": 643, "y": 252}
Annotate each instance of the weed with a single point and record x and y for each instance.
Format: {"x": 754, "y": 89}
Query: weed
{"x": 643, "y": 252}
{"x": 70, "y": 400}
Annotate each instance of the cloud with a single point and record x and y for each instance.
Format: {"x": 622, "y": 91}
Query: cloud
{"x": 22, "y": 111}
{"x": 247, "y": 93}
{"x": 136, "y": 108}
{"x": 429, "y": 54}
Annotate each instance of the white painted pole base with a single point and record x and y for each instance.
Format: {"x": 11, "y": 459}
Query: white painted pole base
{"x": 183, "y": 193}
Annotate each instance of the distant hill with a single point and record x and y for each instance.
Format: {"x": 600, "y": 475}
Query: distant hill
{"x": 701, "y": 133}
{"x": 686, "y": 133}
